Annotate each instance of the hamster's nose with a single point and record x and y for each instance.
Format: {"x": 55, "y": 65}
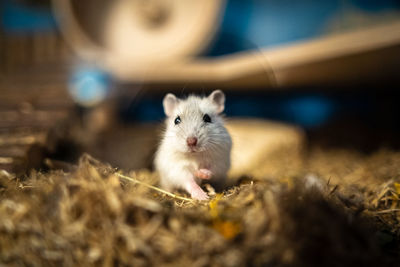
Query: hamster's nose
{"x": 191, "y": 141}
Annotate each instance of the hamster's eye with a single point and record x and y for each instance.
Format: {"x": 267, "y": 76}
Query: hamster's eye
{"x": 206, "y": 118}
{"x": 177, "y": 120}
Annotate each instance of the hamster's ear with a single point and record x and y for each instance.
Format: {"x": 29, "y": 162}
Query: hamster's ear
{"x": 217, "y": 97}
{"x": 169, "y": 103}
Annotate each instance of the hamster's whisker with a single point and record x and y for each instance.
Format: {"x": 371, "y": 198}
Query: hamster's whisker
{"x": 212, "y": 146}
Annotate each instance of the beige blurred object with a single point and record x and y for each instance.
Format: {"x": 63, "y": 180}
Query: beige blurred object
{"x": 262, "y": 147}
{"x": 140, "y": 33}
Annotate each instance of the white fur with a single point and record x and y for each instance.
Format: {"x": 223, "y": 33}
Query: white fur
{"x": 174, "y": 160}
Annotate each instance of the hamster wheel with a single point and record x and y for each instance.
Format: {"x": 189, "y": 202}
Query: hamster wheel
{"x": 140, "y": 32}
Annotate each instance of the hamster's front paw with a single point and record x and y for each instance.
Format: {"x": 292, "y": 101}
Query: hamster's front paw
{"x": 199, "y": 195}
{"x": 195, "y": 190}
{"x": 203, "y": 174}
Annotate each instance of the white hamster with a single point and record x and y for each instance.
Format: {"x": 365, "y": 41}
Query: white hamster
{"x": 196, "y": 146}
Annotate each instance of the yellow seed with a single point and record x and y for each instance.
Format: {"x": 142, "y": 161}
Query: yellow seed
{"x": 227, "y": 229}
{"x": 214, "y": 206}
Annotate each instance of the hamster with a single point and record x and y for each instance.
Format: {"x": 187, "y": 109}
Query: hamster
{"x": 195, "y": 146}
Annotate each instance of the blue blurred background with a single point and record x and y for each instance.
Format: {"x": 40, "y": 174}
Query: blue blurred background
{"x": 269, "y": 23}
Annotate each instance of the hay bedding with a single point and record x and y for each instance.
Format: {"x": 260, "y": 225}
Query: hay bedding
{"x": 91, "y": 216}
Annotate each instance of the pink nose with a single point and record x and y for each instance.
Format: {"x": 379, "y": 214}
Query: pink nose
{"x": 191, "y": 141}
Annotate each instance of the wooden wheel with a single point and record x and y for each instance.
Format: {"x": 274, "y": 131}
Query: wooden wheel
{"x": 138, "y": 31}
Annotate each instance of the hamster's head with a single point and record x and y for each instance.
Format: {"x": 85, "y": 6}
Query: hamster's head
{"x": 195, "y": 124}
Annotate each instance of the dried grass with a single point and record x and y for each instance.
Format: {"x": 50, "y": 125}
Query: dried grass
{"x": 95, "y": 215}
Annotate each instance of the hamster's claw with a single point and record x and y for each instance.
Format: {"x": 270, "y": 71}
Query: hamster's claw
{"x": 203, "y": 174}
